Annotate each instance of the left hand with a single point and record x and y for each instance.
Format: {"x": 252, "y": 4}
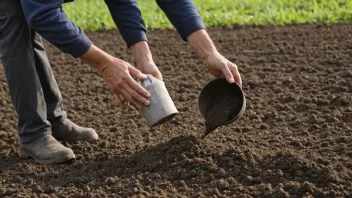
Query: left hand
{"x": 144, "y": 59}
{"x": 149, "y": 67}
{"x": 219, "y": 66}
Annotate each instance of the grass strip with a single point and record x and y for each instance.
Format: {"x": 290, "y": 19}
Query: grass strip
{"x": 94, "y": 15}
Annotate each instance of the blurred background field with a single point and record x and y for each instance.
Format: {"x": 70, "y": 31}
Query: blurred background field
{"x": 94, "y": 15}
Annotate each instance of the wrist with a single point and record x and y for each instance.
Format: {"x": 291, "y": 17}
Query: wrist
{"x": 141, "y": 52}
{"x": 202, "y": 44}
{"x": 206, "y": 56}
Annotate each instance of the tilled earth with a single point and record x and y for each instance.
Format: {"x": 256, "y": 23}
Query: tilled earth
{"x": 294, "y": 140}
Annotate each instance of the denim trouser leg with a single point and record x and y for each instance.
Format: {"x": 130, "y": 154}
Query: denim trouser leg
{"x": 24, "y": 59}
{"x": 52, "y": 95}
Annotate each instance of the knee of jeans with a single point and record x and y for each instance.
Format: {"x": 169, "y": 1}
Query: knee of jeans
{"x": 13, "y": 24}
{"x": 14, "y": 36}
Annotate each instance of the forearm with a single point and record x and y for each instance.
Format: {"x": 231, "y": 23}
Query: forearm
{"x": 202, "y": 43}
{"x": 96, "y": 58}
{"x": 128, "y": 19}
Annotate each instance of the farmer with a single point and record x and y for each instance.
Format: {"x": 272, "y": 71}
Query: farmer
{"x": 34, "y": 91}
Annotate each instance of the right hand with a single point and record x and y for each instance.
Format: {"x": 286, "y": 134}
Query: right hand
{"x": 118, "y": 75}
{"x": 219, "y": 66}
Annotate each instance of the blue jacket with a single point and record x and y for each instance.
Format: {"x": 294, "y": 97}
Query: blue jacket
{"x": 48, "y": 19}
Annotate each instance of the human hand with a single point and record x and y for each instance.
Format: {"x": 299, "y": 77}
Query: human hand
{"x": 144, "y": 60}
{"x": 118, "y": 75}
{"x": 218, "y": 66}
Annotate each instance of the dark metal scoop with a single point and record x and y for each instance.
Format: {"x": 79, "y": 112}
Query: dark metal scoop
{"x": 221, "y": 103}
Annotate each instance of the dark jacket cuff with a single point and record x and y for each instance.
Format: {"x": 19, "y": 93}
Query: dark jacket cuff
{"x": 190, "y": 25}
{"x": 80, "y": 47}
{"x": 135, "y": 37}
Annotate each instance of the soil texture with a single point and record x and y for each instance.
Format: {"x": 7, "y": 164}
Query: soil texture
{"x": 294, "y": 140}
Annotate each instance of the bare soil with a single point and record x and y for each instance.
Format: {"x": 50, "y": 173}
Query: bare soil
{"x": 294, "y": 139}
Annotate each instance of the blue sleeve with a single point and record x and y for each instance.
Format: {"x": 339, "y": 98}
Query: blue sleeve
{"x": 128, "y": 20}
{"x": 48, "y": 19}
{"x": 183, "y": 15}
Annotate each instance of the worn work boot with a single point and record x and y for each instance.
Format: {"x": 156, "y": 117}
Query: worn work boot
{"x": 68, "y": 130}
{"x": 46, "y": 150}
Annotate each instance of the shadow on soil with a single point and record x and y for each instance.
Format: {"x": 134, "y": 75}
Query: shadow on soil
{"x": 182, "y": 158}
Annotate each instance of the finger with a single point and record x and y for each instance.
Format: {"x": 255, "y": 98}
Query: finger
{"x": 132, "y": 101}
{"x": 158, "y": 75}
{"x": 235, "y": 73}
{"x": 139, "y": 98}
{"x": 227, "y": 73}
{"x": 136, "y": 73}
{"x": 124, "y": 102}
{"x": 138, "y": 88}
{"x": 118, "y": 100}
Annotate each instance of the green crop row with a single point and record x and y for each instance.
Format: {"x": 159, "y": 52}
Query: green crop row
{"x": 94, "y": 15}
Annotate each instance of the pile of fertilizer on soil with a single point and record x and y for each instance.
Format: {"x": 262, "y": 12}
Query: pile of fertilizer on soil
{"x": 220, "y": 111}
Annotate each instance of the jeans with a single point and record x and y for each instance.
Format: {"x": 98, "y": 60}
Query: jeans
{"x": 34, "y": 92}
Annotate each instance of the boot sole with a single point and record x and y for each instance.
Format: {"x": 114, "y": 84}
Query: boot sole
{"x": 90, "y": 139}
{"x": 24, "y": 154}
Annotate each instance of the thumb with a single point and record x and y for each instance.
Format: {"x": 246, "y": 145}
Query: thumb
{"x": 136, "y": 73}
{"x": 227, "y": 73}
{"x": 235, "y": 73}
{"x": 158, "y": 75}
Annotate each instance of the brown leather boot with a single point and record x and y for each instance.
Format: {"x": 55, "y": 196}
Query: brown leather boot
{"x": 68, "y": 130}
{"x": 46, "y": 150}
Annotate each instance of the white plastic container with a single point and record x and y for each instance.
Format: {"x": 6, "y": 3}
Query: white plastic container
{"x": 161, "y": 108}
